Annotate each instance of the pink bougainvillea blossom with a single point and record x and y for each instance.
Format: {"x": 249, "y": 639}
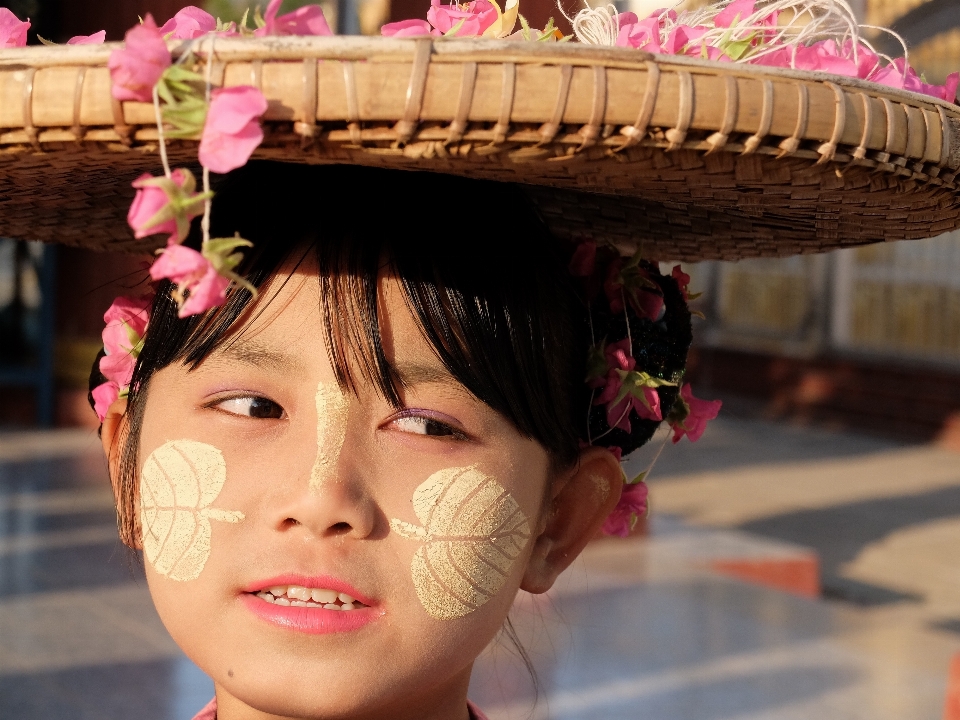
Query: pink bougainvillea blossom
{"x": 126, "y": 323}
{"x": 307, "y": 20}
{"x": 192, "y": 273}
{"x": 103, "y": 397}
{"x": 408, "y": 28}
{"x": 165, "y": 205}
{"x": 13, "y": 30}
{"x": 232, "y": 131}
{"x": 627, "y": 281}
{"x": 189, "y": 23}
{"x": 96, "y": 39}
{"x": 693, "y": 415}
{"x": 642, "y": 35}
{"x": 632, "y": 505}
{"x": 468, "y": 19}
{"x": 683, "y": 281}
{"x": 584, "y": 259}
{"x": 136, "y": 67}
{"x": 624, "y": 390}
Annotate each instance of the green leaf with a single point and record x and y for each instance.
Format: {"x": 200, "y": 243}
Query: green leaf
{"x": 258, "y": 18}
{"x": 455, "y": 29}
{"x": 639, "y": 478}
{"x": 243, "y": 20}
{"x": 45, "y": 41}
{"x": 524, "y": 27}
{"x": 597, "y": 362}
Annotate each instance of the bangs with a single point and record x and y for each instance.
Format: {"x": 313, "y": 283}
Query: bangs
{"x": 491, "y": 298}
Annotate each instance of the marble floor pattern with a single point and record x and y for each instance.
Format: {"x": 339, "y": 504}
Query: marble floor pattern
{"x": 639, "y": 629}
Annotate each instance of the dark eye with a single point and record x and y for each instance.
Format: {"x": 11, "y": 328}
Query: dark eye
{"x": 251, "y": 406}
{"x": 419, "y": 425}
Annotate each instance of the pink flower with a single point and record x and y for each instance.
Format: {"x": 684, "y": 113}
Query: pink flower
{"x": 698, "y": 413}
{"x": 136, "y": 68}
{"x": 407, "y": 28}
{"x": 625, "y": 390}
{"x": 683, "y": 281}
{"x": 308, "y": 20}
{"x": 189, "y": 23}
{"x": 103, "y": 397}
{"x": 643, "y": 400}
{"x": 96, "y": 39}
{"x": 126, "y": 322}
{"x": 13, "y": 31}
{"x": 192, "y": 273}
{"x": 632, "y": 504}
{"x": 584, "y": 259}
{"x": 735, "y": 12}
{"x": 899, "y": 75}
{"x": 475, "y": 16}
{"x": 165, "y": 205}
{"x": 642, "y": 35}
{"x": 232, "y": 131}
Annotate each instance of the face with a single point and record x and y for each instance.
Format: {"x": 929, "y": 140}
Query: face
{"x": 268, "y": 493}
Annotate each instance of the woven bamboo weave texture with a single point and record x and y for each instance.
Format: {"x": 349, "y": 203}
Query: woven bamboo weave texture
{"x": 694, "y": 160}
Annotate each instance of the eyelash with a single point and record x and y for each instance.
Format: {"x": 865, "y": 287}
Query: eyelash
{"x": 452, "y": 433}
{"x": 267, "y": 402}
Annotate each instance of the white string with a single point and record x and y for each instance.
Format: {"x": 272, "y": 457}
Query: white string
{"x": 163, "y": 143}
{"x": 208, "y": 203}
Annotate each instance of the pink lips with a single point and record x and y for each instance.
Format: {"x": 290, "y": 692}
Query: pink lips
{"x": 311, "y": 620}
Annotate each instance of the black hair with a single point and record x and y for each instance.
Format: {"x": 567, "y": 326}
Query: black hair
{"x": 484, "y": 278}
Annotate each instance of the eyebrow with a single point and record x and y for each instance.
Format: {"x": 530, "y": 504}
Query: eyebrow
{"x": 260, "y": 356}
{"x": 410, "y": 374}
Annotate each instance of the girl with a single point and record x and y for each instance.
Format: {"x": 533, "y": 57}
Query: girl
{"x": 340, "y": 486}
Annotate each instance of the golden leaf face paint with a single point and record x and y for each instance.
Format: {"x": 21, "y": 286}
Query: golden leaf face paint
{"x": 331, "y": 430}
{"x": 473, "y": 532}
{"x": 178, "y": 483}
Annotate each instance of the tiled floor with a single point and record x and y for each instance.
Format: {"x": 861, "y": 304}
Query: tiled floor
{"x": 639, "y": 629}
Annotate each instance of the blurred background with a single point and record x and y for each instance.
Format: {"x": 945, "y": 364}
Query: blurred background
{"x": 802, "y": 559}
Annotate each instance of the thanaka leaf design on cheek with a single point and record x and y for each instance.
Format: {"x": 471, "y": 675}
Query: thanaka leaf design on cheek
{"x": 473, "y": 532}
{"x": 331, "y": 430}
{"x": 179, "y": 482}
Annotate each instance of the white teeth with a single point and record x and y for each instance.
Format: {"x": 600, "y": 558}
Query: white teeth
{"x": 298, "y": 596}
{"x": 298, "y": 593}
{"x": 323, "y": 597}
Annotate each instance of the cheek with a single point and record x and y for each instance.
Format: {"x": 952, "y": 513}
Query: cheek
{"x": 179, "y": 482}
{"x": 473, "y": 535}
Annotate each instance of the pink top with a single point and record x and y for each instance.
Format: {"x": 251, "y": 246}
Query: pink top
{"x": 210, "y": 712}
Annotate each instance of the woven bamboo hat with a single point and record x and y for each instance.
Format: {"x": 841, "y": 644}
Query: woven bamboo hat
{"x": 692, "y": 159}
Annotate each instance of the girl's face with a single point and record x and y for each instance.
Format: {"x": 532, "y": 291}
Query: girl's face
{"x": 259, "y": 474}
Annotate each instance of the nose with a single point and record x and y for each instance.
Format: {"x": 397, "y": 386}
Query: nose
{"x": 341, "y": 507}
{"x": 333, "y": 501}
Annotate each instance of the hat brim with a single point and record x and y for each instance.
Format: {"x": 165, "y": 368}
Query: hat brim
{"x": 691, "y": 159}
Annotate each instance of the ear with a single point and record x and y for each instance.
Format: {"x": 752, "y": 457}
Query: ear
{"x": 111, "y": 435}
{"x": 581, "y": 500}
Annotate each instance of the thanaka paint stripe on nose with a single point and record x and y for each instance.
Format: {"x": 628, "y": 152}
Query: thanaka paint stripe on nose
{"x": 331, "y": 431}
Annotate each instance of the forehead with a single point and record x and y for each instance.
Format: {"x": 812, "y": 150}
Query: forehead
{"x": 286, "y": 326}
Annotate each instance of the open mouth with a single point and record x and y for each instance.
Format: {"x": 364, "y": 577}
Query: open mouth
{"x": 299, "y": 596}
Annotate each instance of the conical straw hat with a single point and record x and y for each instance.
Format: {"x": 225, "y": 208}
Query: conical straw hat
{"x": 692, "y": 159}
